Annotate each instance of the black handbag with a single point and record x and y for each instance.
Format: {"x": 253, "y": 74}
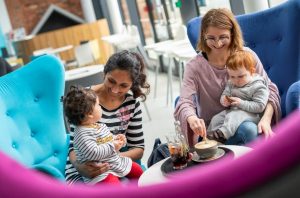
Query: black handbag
{"x": 160, "y": 151}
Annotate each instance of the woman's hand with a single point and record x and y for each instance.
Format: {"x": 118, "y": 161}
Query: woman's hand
{"x": 88, "y": 169}
{"x": 91, "y": 169}
{"x": 197, "y": 125}
{"x": 264, "y": 125}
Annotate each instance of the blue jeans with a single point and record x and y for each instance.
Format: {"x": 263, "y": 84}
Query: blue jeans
{"x": 246, "y": 133}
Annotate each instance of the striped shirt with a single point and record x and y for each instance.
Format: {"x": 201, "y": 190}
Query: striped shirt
{"x": 126, "y": 119}
{"x": 95, "y": 143}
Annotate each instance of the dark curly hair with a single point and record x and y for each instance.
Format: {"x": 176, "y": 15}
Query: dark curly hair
{"x": 135, "y": 65}
{"x": 78, "y": 103}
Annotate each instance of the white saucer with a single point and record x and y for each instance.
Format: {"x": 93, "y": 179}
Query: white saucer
{"x": 220, "y": 153}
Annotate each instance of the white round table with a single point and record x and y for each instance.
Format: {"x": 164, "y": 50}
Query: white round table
{"x": 153, "y": 175}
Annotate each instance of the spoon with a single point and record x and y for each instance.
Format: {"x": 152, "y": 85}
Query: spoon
{"x": 205, "y": 139}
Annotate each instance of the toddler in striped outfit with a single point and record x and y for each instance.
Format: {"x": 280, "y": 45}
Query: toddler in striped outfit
{"x": 93, "y": 141}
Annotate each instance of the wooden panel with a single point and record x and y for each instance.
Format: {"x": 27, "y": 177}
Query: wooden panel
{"x": 67, "y": 36}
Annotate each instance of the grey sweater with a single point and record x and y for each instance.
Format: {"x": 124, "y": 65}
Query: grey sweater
{"x": 254, "y": 97}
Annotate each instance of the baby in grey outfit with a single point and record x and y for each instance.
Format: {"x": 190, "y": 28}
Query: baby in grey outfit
{"x": 245, "y": 96}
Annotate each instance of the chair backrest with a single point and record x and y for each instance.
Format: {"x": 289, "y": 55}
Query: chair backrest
{"x": 84, "y": 54}
{"x": 32, "y": 127}
{"x": 274, "y": 35}
{"x": 133, "y": 31}
{"x": 94, "y": 44}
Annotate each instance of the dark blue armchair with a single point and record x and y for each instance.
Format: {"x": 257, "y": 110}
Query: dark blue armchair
{"x": 274, "y": 34}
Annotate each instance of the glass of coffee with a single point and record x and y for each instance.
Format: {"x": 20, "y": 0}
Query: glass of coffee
{"x": 179, "y": 150}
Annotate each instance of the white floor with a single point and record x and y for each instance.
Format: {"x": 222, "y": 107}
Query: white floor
{"x": 162, "y": 121}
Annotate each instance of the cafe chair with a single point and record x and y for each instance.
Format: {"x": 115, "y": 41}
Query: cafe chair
{"x": 274, "y": 36}
{"x": 32, "y": 130}
{"x": 179, "y": 36}
{"x": 84, "y": 54}
{"x": 133, "y": 39}
{"x": 94, "y": 44}
{"x": 293, "y": 97}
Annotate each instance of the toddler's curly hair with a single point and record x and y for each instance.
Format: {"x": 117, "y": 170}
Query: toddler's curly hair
{"x": 78, "y": 104}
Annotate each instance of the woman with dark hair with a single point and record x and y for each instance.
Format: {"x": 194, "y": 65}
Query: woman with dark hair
{"x": 124, "y": 82}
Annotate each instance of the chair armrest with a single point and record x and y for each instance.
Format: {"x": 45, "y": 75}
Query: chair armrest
{"x": 49, "y": 170}
{"x": 292, "y": 101}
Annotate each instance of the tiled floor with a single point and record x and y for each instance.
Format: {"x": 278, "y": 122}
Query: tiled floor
{"x": 162, "y": 114}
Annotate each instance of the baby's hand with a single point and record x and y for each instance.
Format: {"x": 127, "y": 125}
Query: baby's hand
{"x": 235, "y": 101}
{"x": 226, "y": 101}
{"x": 118, "y": 144}
{"x": 121, "y": 137}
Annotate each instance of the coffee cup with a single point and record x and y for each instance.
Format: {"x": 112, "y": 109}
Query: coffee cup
{"x": 206, "y": 149}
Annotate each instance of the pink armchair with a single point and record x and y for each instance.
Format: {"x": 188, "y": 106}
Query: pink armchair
{"x": 272, "y": 168}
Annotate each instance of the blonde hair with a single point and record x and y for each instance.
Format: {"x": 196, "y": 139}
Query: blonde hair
{"x": 224, "y": 19}
{"x": 240, "y": 59}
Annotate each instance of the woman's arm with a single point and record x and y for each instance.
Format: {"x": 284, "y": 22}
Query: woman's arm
{"x": 88, "y": 169}
{"x": 185, "y": 112}
{"x": 264, "y": 125}
{"x": 134, "y": 153}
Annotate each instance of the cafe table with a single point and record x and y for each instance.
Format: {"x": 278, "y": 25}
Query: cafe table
{"x": 154, "y": 175}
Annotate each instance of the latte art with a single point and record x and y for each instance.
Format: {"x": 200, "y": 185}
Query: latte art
{"x": 205, "y": 144}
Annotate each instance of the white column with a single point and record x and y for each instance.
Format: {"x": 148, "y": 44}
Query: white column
{"x": 115, "y": 16}
{"x": 255, "y": 5}
{"x": 4, "y": 19}
{"x": 88, "y": 10}
{"x": 6, "y": 26}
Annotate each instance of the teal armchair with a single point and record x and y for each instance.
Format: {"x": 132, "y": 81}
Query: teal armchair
{"x": 32, "y": 127}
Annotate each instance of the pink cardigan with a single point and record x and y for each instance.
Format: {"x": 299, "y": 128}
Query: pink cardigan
{"x": 207, "y": 83}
